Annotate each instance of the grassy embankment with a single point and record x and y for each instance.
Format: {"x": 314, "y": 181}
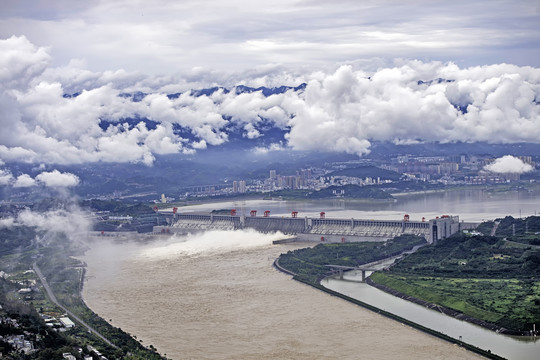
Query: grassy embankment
{"x": 309, "y": 264}
{"x": 18, "y": 251}
{"x": 484, "y": 277}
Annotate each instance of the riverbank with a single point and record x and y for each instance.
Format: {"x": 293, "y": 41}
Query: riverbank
{"x": 443, "y": 310}
{"x": 230, "y": 303}
{"x": 472, "y": 348}
{"x": 494, "y": 188}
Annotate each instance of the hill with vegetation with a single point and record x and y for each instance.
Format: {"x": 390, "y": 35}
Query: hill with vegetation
{"x": 309, "y": 264}
{"x": 490, "y": 278}
{"x": 521, "y": 230}
{"x": 116, "y": 207}
{"x": 25, "y": 306}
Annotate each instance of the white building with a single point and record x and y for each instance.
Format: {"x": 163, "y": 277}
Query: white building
{"x": 66, "y": 322}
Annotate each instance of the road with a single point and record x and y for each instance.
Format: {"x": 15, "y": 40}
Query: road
{"x": 495, "y": 226}
{"x": 51, "y": 296}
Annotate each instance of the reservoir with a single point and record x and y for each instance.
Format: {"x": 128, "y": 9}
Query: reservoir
{"x": 475, "y": 204}
{"x": 216, "y": 296}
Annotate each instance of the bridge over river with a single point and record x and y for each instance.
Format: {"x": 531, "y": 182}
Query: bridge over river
{"x": 320, "y": 229}
{"x": 340, "y": 269}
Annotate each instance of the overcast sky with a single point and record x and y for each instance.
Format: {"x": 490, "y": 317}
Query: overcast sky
{"x": 161, "y": 36}
{"x": 362, "y": 61}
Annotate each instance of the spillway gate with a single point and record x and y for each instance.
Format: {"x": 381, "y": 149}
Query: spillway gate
{"x": 314, "y": 229}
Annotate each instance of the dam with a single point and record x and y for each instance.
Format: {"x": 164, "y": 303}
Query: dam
{"x": 320, "y": 229}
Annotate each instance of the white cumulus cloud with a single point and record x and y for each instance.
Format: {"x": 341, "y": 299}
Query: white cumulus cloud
{"x": 508, "y": 164}
{"x": 5, "y": 177}
{"x": 7, "y": 222}
{"x": 57, "y": 179}
{"x": 343, "y": 109}
{"x": 24, "y": 180}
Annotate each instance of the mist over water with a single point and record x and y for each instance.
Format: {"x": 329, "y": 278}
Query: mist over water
{"x": 209, "y": 243}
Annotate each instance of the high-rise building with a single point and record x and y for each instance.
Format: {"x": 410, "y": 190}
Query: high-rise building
{"x": 306, "y": 174}
{"x": 242, "y": 186}
{"x": 272, "y": 174}
{"x": 235, "y": 186}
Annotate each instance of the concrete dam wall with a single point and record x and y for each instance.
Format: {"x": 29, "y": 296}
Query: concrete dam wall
{"x": 272, "y": 224}
{"x": 315, "y": 229}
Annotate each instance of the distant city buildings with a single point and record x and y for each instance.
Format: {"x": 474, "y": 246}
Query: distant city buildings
{"x": 241, "y": 186}
{"x": 447, "y": 170}
{"x": 301, "y": 180}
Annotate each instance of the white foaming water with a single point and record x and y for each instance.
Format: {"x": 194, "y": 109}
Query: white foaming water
{"x": 209, "y": 243}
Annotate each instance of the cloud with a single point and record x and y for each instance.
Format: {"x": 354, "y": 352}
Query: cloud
{"x": 5, "y": 177}
{"x": 508, "y": 164}
{"x": 265, "y": 150}
{"x": 57, "y": 179}
{"x": 21, "y": 61}
{"x": 71, "y": 221}
{"x": 341, "y": 109}
{"x": 6, "y": 222}
{"x": 24, "y": 180}
{"x": 237, "y": 35}
{"x": 348, "y": 109}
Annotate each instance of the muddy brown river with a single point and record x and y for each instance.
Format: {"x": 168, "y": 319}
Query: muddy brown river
{"x": 217, "y": 296}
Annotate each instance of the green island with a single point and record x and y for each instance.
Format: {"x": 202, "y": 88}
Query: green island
{"x": 32, "y": 325}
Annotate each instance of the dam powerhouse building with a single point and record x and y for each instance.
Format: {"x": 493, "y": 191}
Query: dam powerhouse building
{"x": 320, "y": 229}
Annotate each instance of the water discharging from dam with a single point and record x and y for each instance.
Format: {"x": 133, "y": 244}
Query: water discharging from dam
{"x": 216, "y": 296}
{"x": 230, "y": 303}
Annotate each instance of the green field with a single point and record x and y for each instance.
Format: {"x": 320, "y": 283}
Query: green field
{"x": 491, "y": 278}
{"x": 495, "y": 279}
{"x": 511, "y": 303}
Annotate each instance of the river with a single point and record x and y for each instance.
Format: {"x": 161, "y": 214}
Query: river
{"x": 507, "y": 346}
{"x": 216, "y": 295}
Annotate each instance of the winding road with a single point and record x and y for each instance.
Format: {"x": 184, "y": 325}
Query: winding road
{"x": 51, "y": 296}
